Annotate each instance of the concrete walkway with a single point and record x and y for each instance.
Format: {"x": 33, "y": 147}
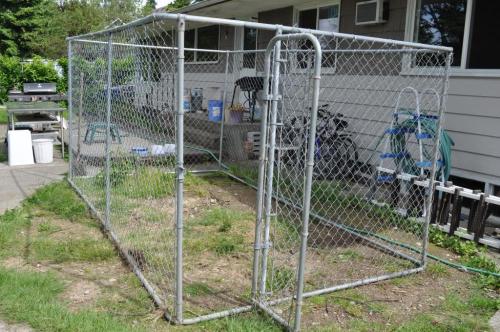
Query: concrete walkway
{"x": 19, "y": 182}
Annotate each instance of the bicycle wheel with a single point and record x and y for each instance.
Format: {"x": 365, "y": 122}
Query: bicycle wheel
{"x": 336, "y": 158}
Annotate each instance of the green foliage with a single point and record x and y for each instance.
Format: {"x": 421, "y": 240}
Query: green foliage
{"x": 13, "y": 73}
{"x": 18, "y": 22}
{"x": 39, "y": 70}
{"x": 62, "y": 84}
{"x": 10, "y": 75}
{"x": 225, "y": 246}
{"x": 148, "y": 8}
{"x": 31, "y": 27}
{"x": 177, "y": 4}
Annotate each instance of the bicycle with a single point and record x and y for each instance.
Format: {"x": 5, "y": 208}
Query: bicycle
{"x": 336, "y": 153}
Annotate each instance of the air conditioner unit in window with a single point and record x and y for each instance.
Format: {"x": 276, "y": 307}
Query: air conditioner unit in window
{"x": 372, "y": 12}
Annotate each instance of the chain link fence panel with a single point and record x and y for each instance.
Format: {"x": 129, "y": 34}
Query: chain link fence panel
{"x": 171, "y": 209}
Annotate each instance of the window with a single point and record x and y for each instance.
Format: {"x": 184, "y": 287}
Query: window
{"x": 484, "y": 45}
{"x": 324, "y": 18}
{"x": 204, "y": 38}
{"x": 249, "y": 44}
{"x": 471, "y": 27}
{"x": 441, "y": 22}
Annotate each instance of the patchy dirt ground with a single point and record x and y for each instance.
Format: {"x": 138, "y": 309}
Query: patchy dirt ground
{"x": 220, "y": 216}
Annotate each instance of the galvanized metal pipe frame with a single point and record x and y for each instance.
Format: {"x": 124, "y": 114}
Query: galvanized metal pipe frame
{"x": 181, "y": 19}
{"x": 440, "y": 123}
{"x": 108, "y": 133}
{"x": 273, "y": 98}
{"x": 70, "y": 109}
{"x": 179, "y": 140}
{"x": 263, "y": 26}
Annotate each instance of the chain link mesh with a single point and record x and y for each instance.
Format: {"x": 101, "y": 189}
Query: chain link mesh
{"x": 379, "y": 106}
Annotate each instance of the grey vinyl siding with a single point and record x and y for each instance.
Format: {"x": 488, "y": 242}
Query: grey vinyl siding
{"x": 283, "y": 16}
{"x": 472, "y": 110}
{"x": 473, "y": 121}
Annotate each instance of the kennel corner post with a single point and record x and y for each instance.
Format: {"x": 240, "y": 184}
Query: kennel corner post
{"x": 311, "y": 145}
{"x": 432, "y": 179}
{"x": 181, "y": 27}
{"x": 70, "y": 111}
{"x": 108, "y": 133}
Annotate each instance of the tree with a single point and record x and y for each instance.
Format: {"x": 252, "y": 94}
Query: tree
{"x": 149, "y": 7}
{"x": 19, "y": 19}
{"x": 177, "y": 4}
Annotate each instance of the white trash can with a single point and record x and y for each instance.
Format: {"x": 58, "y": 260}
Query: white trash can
{"x": 44, "y": 150}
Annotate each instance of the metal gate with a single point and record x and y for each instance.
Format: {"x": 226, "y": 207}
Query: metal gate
{"x": 284, "y": 189}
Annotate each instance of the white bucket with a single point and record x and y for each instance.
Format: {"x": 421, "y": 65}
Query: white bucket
{"x": 44, "y": 150}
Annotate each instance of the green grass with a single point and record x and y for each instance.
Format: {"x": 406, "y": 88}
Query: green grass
{"x": 89, "y": 250}
{"x": 279, "y": 278}
{"x": 437, "y": 270}
{"x": 252, "y": 322}
{"x": 35, "y": 298}
{"x": 59, "y": 199}
{"x": 4, "y": 118}
{"x": 32, "y": 298}
{"x": 217, "y": 230}
{"x": 197, "y": 289}
{"x": 47, "y": 227}
{"x": 3, "y": 156}
{"x": 12, "y": 223}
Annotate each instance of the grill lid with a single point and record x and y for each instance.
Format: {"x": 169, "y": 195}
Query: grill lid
{"x": 37, "y": 88}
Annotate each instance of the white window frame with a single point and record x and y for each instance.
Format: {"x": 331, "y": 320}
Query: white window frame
{"x": 195, "y": 48}
{"x": 315, "y": 5}
{"x": 462, "y": 70}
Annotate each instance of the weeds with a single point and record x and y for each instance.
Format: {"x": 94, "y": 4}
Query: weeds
{"x": 47, "y": 227}
{"x": 279, "y": 278}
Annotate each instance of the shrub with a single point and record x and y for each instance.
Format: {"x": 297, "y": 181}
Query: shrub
{"x": 39, "y": 71}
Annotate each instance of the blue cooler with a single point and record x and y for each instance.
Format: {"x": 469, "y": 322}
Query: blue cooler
{"x": 215, "y": 110}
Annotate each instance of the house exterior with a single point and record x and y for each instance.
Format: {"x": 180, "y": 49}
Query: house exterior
{"x": 469, "y": 26}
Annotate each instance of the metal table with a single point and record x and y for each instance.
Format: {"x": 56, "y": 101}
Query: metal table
{"x": 35, "y": 113}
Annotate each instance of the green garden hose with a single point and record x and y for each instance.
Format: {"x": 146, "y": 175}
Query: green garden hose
{"x": 428, "y": 125}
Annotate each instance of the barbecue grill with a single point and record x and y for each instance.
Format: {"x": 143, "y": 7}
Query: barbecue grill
{"x": 37, "y": 92}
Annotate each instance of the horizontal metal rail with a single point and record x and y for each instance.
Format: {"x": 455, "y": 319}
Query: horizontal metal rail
{"x": 255, "y": 25}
